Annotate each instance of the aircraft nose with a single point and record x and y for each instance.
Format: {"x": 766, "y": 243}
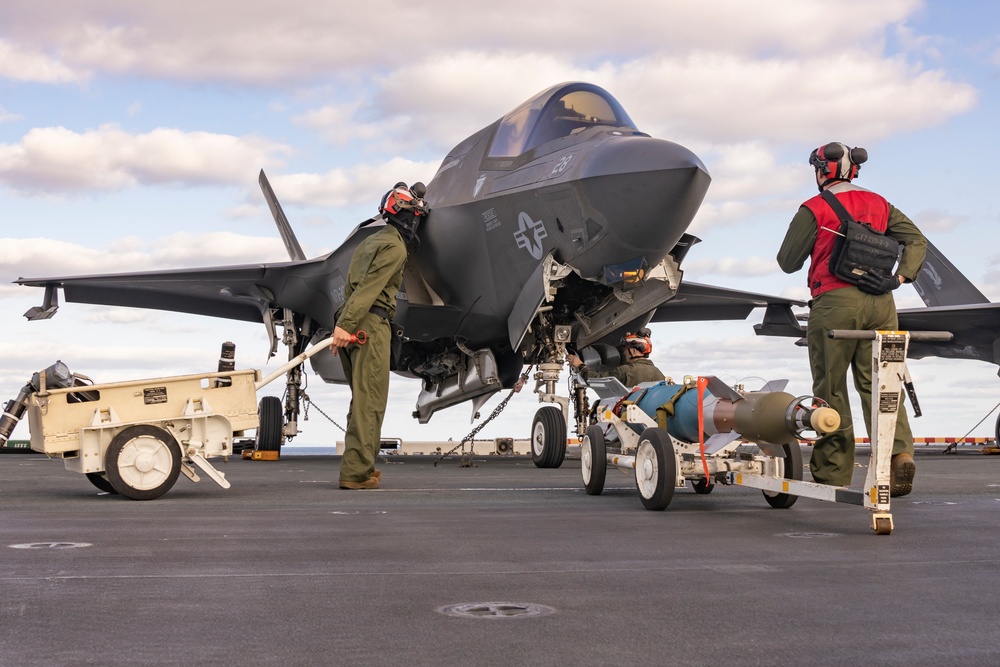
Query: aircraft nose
{"x": 643, "y": 193}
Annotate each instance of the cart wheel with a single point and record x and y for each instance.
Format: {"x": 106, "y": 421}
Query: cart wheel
{"x": 655, "y": 469}
{"x": 701, "y": 486}
{"x": 100, "y": 480}
{"x": 548, "y": 437}
{"x": 793, "y": 470}
{"x": 594, "y": 460}
{"x": 271, "y": 418}
{"x": 882, "y": 525}
{"x": 142, "y": 462}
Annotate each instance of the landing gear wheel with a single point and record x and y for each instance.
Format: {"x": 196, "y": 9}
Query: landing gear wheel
{"x": 594, "y": 460}
{"x": 655, "y": 469}
{"x": 548, "y": 437}
{"x": 269, "y": 414}
{"x": 142, "y": 462}
{"x": 793, "y": 470}
{"x": 702, "y": 486}
{"x": 100, "y": 480}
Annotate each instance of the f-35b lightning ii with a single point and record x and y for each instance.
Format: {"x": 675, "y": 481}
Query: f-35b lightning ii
{"x": 559, "y": 225}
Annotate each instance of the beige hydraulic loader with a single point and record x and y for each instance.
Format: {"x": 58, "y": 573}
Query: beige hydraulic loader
{"x": 135, "y": 438}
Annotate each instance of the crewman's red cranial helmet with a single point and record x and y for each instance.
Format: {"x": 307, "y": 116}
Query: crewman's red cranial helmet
{"x": 837, "y": 162}
{"x": 403, "y": 207}
{"x": 402, "y": 198}
{"x": 639, "y": 341}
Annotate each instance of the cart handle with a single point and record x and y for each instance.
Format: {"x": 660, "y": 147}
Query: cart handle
{"x": 853, "y": 334}
{"x": 292, "y": 363}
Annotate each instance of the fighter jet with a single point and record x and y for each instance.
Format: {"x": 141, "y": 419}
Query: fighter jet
{"x": 561, "y": 225}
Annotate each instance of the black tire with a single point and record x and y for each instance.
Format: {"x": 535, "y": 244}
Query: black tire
{"x": 594, "y": 460}
{"x": 701, "y": 486}
{"x": 655, "y": 469}
{"x": 996, "y": 443}
{"x": 142, "y": 462}
{"x": 548, "y": 437}
{"x": 793, "y": 470}
{"x": 272, "y": 420}
{"x": 100, "y": 480}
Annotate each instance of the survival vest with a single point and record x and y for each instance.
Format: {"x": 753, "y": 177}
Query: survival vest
{"x": 865, "y": 206}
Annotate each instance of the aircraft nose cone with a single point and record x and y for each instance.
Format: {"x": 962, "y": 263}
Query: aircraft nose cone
{"x": 644, "y": 192}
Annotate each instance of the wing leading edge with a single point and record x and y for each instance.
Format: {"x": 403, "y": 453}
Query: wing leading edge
{"x": 243, "y": 292}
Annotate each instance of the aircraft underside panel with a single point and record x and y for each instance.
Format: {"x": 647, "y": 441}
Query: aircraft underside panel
{"x": 641, "y": 300}
{"x": 479, "y": 377}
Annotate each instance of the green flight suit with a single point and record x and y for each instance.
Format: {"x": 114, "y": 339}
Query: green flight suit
{"x": 373, "y": 279}
{"x": 629, "y": 373}
{"x": 832, "y": 460}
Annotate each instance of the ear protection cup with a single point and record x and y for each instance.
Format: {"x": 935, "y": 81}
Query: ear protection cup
{"x": 829, "y": 161}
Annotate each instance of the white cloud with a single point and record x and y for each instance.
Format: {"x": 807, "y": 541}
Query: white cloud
{"x": 729, "y": 98}
{"x": 55, "y": 158}
{"x": 22, "y": 62}
{"x": 265, "y": 43}
{"x": 937, "y": 220}
{"x": 741, "y": 267}
{"x": 360, "y": 184}
{"x": 725, "y": 101}
{"x": 6, "y": 116}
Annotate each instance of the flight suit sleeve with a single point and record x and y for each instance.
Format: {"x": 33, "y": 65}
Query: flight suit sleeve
{"x": 386, "y": 262}
{"x": 620, "y": 373}
{"x": 914, "y": 243}
{"x": 799, "y": 241}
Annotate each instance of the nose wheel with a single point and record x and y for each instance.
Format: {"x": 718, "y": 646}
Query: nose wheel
{"x": 548, "y": 437}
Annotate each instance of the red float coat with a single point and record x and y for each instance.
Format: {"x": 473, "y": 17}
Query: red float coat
{"x": 865, "y": 206}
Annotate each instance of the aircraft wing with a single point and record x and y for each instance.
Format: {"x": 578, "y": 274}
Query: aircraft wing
{"x": 243, "y": 292}
{"x": 697, "y": 302}
{"x": 976, "y": 328}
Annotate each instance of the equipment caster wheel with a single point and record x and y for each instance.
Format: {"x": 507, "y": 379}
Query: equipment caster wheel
{"x": 594, "y": 460}
{"x": 655, "y": 469}
{"x": 793, "y": 470}
{"x": 882, "y": 524}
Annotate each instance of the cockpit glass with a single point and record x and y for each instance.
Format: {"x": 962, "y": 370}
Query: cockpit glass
{"x": 544, "y": 119}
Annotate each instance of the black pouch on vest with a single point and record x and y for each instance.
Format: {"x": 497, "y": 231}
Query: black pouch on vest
{"x": 859, "y": 249}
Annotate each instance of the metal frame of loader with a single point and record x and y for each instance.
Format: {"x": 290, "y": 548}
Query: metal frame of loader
{"x": 661, "y": 462}
{"x": 134, "y": 438}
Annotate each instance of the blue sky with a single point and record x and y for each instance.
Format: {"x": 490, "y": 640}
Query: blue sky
{"x": 131, "y": 135}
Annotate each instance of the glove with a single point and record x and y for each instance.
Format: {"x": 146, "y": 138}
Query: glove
{"x": 877, "y": 283}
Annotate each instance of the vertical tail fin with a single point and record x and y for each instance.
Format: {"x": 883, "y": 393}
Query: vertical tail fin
{"x": 941, "y": 284}
{"x": 285, "y": 229}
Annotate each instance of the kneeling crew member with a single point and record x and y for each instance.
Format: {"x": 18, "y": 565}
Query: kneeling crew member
{"x": 636, "y": 366}
{"x": 837, "y": 304}
{"x": 373, "y": 280}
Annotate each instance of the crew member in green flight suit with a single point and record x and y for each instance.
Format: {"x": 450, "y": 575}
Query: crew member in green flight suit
{"x": 636, "y": 366}
{"x": 373, "y": 280}
{"x": 838, "y": 304}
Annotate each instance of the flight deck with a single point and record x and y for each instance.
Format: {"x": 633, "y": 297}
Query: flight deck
{"x": 503, "y": 563}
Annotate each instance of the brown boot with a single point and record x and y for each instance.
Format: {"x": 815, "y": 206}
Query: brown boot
{"x": 377, "y": 474}
{"x": 370, "y": 483}
{"x": 902, "y": 470}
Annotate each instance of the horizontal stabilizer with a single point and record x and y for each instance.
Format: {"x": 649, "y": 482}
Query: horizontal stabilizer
{"x": 779, "y": 320}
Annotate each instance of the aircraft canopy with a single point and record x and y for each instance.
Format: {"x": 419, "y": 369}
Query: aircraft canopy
{"x": 556, "y": 113}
